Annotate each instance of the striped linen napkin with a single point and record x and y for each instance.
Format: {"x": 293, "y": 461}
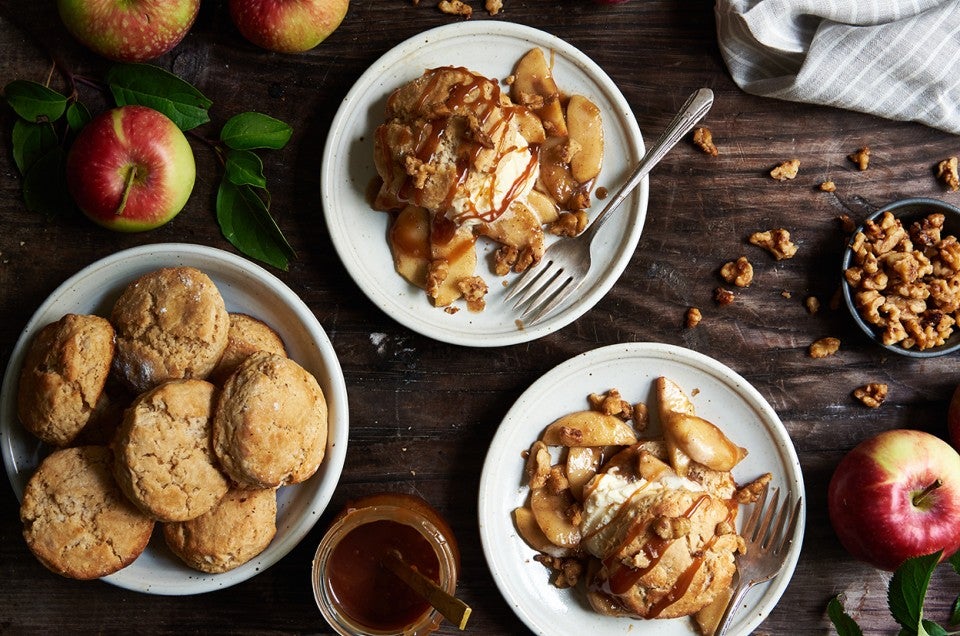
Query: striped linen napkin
{"x": 899, "y": 59}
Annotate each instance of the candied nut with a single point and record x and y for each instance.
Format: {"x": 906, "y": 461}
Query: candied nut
{"x": 568, "y": 570}
{"x": 569, "y": 223}
{"x": 786, "y": 170}
{"x": 437, "y": 271}
{"x": 739, "y": 272}
{"x": 693, "y": 317}
{"x": 538, "y": 465}
{"x": 722, "y": 296}
{"x": 493, "y": 7}
{"x": 703, "y": 139}
{"x": 828, "y": 186}
{"x": 474, "y": 290}
{"x": 641, "y": 417}
{"x": 504, "y": 259}
{"x": 557, "y": 480}
{"x": 667, "y": 527}
{"x": 786, "y": 294}
{"x": 777, "y": 242}
{"x": 751, "y": 492}
{"x": 861, "y": 157}
{"x": 872, "y": 394}
{"x": 611, "y": 403}
{"x": 824, "y": 347}
{"x": 812, "y": 303}
{"x": 947, "y": 173}
{"x": 455, "y": 7}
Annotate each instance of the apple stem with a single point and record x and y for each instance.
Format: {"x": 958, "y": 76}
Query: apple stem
{"x": 127, "y": 186}
{"x": 920, "y": 496}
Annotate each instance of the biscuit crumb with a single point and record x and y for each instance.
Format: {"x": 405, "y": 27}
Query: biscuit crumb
{"x": 455, "y": 7}
{"x": 703, "y": 139}
{"x": 786, "y": 170}
{"x": 739, "y": 272}
{"x": 861, "y": 157}
{"x": 828, "y": 186}
{"x": 722, "y": 296}
{"x": 824, "y": 347}
{"x": 812, "y": 303}
{"x": 777, "y": 242}
{"x": 948, "y": 174}
{"x": 871, "y": 395}
{"x": 693, "y": 317}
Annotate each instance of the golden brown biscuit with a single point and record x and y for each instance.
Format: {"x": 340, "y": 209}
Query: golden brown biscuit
{"x": 171, "y": 323}
{"x": 63, "y": 376}
{"x": 237, "y": 529}
{"x": 270, "y": 424}
{"x": 75, "y": 518}
{"x": 246, "y": 336}
{"x": 164, "y": 461}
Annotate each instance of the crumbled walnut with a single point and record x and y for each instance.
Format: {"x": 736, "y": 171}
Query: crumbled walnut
{"x": 786, "y": 170}
{"x": 751, "y": 492}
{"x": 570, "y": 436}
{"x": 722, "y": 296}
{"x": 450, "y": 309}
{"x": 455, "y": 7}
{"x": 504, "y": 259}
{"x": 672, "y": 527}
{"x": 738, "y": 272}
{"x": 861, "y": 157}
{"x": 777, "y": 242}
{"x": 693, "y": 317}
{"x": 947, "y": 173}
{"x": 703, "y": 139}
{"x": 812, "y": 303}
{"x": 575, "y": 512}
{"x": 437, "y": 271}
{"x": 846, "y": 223}
{"x": 828, "y": 186}
{"x": 569, "y": 223}
{"x": 474, "y": 290}
{"x": 557, "y": 480}
{"x": 493, "y": 7}
{"x": 786, "y": 294}
{"x": 824, "y": 347}
{"x": 641, "y": 417}
{"x": 538, "y": 465}
{"x": 872, "y": 394}
{"x": 568, "y": 570}
{"x": 611, "y": 403}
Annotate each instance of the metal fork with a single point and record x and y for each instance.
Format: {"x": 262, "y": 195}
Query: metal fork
{"x": 566, "y": 263}
{"x": 768, "y": 540}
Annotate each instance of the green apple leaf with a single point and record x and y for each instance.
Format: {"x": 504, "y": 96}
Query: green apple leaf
{"x": 45, "y": 184}
{"x": 844, "y": 624}
{"x": 932, "y": 629}
{"x": 908, "y": 589}
{"x": 34, "y": 102}
{"x": 955, "y": 613}
{"x": 245, "y": 221}
{"x": 244, "y": 167}
{"x": 30, "y": 142}
{"x": 954, "y": 560}
{"x": 77, "y": 116}
{"x": 251, "y": 130}
{"x": 152, "y": 86}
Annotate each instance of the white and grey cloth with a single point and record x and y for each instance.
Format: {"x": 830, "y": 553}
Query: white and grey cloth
{"x": 899, "y": 59}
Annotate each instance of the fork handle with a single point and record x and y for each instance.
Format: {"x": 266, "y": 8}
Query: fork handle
{"x": 693, "y": 111}
{"x": 738, "y": 595}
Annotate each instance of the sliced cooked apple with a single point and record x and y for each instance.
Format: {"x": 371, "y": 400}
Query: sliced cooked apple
{"x": 538, "y": 465}
{"x": 550, "y": 511}
{"x": 529, "y": 125}
{"x": 585, "y": 126}
{"x": 543, "y": 206}
{"x": 555, "y": 178}
{"x": 651, "y": 467}
{"x": 551, "y": 114}
{"x": 532, "y": 77}
{"x": 708, "y": 618}
{"x": 702, "y": 441}
{"x": 530, "y": 532}
{"x": 582, "y": 464}
{"x": 461, "y": 258}
{"x": 410, "y": 244}
{"x": 519, "y": 228}
{"x": 589, "y": 428}
{"x": 672, "y": 399}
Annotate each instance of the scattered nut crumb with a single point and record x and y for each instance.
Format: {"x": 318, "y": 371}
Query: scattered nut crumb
{"x": 777, "y": 242}
{"x": 703, "y": 139}
{"x": 861, "y": 157}
{"x": 641, "y": 417}
{"x": 493, "y": 7}
{"x": 568, "y": 570}
{"x": 948, "y": 174}
{"x": 455, "y": 7}
{"x": 722, "y": 296}
{"x": 828, "y": 186}
{"x": 693, "y": 317}
{"x": 812, "y": 303}
{"x": 786, "y": 170}
{"x": 846, "y": 223}
{"x": 739, "y": 272}
{"x": 751, "y": 492}
{"x": 824, "y": 347}
{"x": 569, "y": 223}
{"x": 786, "y": 294}
{"x": 474, "y": 290}
{"x": 450, "y": 309}
{"x": 872, "y": 394}
{"x": 611, "y": 403}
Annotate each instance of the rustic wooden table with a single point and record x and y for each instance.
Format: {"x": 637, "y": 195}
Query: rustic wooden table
{"x": 423, "y": 412}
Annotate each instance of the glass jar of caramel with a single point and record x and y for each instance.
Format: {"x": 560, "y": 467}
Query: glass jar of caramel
{"x": 357, "y": 594}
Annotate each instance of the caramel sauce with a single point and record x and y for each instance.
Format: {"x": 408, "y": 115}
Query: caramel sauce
{"x": 409, "y": 237}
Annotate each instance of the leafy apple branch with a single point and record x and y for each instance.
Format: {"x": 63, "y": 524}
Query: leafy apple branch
{"x": 47, "y": 121}
{"x": 905, "y": 596}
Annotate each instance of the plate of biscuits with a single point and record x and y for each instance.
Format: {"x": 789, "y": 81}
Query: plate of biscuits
{"x": 174, "y": 421}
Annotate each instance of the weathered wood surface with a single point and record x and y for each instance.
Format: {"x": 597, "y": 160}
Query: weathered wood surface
{"x": 422, "y": 412}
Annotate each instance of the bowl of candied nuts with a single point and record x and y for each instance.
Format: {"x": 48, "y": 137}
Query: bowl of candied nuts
{"x": 901, "y": 274}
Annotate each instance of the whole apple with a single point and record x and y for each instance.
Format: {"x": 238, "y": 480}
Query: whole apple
{"x": 897, "y": 496}
{"x": 130, "y": 169}
{"x": 129, "y": 30}
{"x": 287, "y": 26}
{"x": 953, "y": 419}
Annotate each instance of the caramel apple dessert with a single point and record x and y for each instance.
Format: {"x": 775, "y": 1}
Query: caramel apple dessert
{"x": 646, "y": 528}
{"x": 459, "y": 158}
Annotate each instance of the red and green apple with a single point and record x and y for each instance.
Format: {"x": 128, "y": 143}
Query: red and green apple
{"x": 287, "y": 26}
{"x": 130, "y": 169}
{"x": 896, "y": 496}
{"x": 129, "y": 30}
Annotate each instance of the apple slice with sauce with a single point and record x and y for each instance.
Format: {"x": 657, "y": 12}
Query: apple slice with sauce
{"x": 585, "y": 128}
{"x": 589, "y": 428}
{"x": 529, "y": 530}
{"x": 549, "y": 509}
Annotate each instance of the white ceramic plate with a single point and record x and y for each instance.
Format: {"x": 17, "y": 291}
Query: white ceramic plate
{"x": 719, "y": 394}
{"x": 359, "y": 233}
{"x": 245, "y": 287}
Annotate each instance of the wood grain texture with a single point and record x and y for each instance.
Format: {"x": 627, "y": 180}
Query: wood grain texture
{"x": 422, "y": 412}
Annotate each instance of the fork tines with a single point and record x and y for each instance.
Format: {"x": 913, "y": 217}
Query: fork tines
{"x": 538, "y": 292}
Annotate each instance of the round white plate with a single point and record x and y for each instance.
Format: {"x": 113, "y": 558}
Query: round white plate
{"x": 359, "y": 232}
{"x": 719, "y": 394}
{"x": 246, "y": 288}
